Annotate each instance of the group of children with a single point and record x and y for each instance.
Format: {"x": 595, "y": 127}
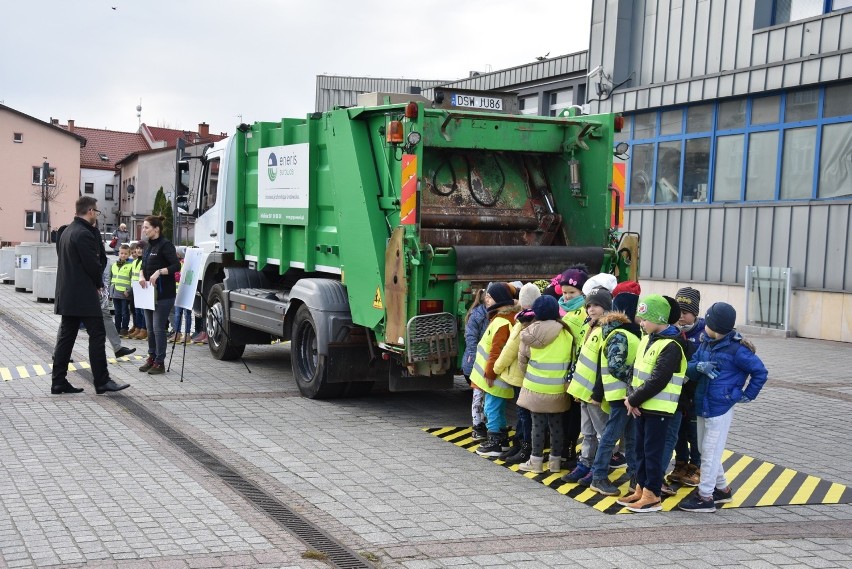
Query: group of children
{"x": 121, "y": 274}
{"x": 638, "y": 377}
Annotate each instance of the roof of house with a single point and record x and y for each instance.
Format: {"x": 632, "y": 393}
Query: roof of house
{"x": 105, "y": 148}
{"x": 170, "y": 136}
{"x": 82, "y": 139}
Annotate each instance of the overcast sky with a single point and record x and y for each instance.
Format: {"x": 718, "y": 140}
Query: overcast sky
{"x": 217, "y": 61}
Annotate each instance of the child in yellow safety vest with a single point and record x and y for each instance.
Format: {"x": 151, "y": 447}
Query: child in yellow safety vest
{"x": 621, "y": 340}
{"x": 573, "y": 312}
{"x": 545, "y": 357}
{"x": 139, "y": 331}
{"x": 119, "y": 289}
{"x": 500, "y": 301}
{"x": 586, "y": 386}
{"x": 658, "y": 376}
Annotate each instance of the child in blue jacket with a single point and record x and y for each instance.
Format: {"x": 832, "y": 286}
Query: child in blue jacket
{"x": 476, "y": 322}
{"x": 728, "y": 372}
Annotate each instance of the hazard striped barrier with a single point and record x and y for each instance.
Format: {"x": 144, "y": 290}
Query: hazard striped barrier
{"x": 755, "y": 482}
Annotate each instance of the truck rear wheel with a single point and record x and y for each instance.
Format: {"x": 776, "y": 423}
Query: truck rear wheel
{"x": 220, "y": 345}
{"x": 309, "y": 367}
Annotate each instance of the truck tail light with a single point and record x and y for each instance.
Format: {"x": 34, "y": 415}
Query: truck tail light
{"x": 431, "y": 306}
{"x": 395, "y": 132}
{"x": 619, "y": 123}
{"x": 411, "y": 110}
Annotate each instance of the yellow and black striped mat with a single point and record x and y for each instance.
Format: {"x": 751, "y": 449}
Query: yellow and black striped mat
{"x": 755, "y": 482}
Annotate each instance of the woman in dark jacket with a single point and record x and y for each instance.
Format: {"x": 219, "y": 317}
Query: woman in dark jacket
{"x": 159, "y": 264}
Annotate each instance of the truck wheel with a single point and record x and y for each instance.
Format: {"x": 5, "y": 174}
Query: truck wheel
{"x": 220, "y": 346}
{"x": 309, "y": 368}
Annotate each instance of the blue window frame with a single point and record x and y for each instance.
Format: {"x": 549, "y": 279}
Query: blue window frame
{"x": 786, "y": 11}
{"x": 760, "y": 148}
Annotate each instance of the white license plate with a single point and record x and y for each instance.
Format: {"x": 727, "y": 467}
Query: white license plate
{"x": 474, "y": 102}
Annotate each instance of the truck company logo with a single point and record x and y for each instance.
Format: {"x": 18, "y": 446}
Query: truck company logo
{"x": 272, "y": 169}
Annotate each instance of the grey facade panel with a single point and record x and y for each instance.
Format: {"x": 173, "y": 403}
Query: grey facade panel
{"x": 810, "y": 71}
{"x": 817, "y": 247}
{"x": 730, "y": 255}
{"x": 715, "y": 31}
{"x": 846, "y": 65}
{"x": 799, "y": 230}
{"x": 774, "y": 78}
{"x": 746, "y": 240}
{"x": 730, "y": 35}
{"x": 674, "y": 41}
{"x": 688, "y": 30}
{"x": 846, "y": 31}
{"x": 775, "y": 52}
{"x": 757, "y": 80}
{"x": 699, "y": 56}
{"x": 741, "y": 81}
{"x": 661, "y": 42}
{"x": 648, "y": 51}
{"x": 830, "y": 35}
{"x": 714, "y": 244}
{"x": 672, "y": 246}
{"x": 686, "y": 242}
{"x": 699, "y": 245}
{"x": 792, "y": 74}
{"x": 793, "y": 42}
{"x": 837, "y": 234}
{"x": 759, "y": 49}
{"x": 780, "y": 236}
{"x": 811, "y": 38}
{"x": 682, "y": 93}
{"x": 830, "y": 69}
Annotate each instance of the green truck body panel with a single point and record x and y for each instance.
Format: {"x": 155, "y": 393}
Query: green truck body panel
{"x": 495, "y": 200}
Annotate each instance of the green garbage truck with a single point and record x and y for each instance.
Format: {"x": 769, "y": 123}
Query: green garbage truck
{"x": 361, "y": 234}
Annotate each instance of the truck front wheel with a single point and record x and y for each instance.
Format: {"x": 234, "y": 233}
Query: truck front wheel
{"x": 309, "y": 367}
{"x": 221, "y": 346}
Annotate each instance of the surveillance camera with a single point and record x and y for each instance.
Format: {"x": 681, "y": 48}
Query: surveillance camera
{"x": 595, "y": 71}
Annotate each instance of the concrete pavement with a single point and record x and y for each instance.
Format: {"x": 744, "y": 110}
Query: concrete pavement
{"x": 235, "y": 469}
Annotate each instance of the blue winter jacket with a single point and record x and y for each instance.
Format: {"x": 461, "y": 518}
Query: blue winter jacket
{"x": 735, "y": 363}
{"x": 473, "y": 332}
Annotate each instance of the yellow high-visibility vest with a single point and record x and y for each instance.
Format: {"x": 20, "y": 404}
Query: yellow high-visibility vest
{"x": 586, "y": 369}
{"x": 120, "y": 276}
{"x": 666, "y": 400}
{"x": 483, "y": 351}
{"x": 547, "y": 369}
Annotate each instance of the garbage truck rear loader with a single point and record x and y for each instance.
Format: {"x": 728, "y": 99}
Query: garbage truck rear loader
{"x": 360, "y": 234}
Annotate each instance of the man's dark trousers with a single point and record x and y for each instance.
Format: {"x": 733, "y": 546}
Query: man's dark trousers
{"x": 65, "y": 344}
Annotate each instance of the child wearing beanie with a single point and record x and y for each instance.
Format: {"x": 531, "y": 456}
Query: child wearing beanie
{"x": 501, "y": 307}
{"x": 508, "y": 369}
{"x": 572, "y": 309}
{"x": 683, "y": 431}
{"x": 476, "y": 322}
{"x": 586, "y": 386}
{"x": 728, "y": 372}
{"x": 658, "y": 376}
{"x": 544, "y": 359}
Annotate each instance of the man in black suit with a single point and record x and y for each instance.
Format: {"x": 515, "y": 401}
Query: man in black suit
{"x": 79, "y": 286}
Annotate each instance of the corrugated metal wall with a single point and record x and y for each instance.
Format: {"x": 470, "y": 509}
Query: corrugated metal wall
{"x": 336, "y": 91}
{"x": 715, "y": 243}
{"x": 683, "y": 51}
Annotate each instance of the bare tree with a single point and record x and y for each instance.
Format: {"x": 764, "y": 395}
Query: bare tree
{"x": 47, "y": 193}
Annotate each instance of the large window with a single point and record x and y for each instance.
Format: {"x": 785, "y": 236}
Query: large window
{"x": 528, "y": 105}
{"x": 790, "y": 146}
{"x": 786, "y": 11}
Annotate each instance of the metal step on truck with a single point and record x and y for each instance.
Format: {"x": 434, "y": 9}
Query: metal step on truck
{"x": 360, "y": 234}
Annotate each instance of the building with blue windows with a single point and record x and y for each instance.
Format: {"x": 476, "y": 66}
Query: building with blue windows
{"x": 739, "y": 126}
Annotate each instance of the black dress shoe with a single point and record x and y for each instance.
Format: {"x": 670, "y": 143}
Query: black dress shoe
{"x": 67, "y": 388}
{"x": 110, "y": 386}
{"x": 124, "y": 351}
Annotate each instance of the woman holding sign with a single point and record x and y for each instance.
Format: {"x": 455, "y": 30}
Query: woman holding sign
{"x": 159, "y": 264}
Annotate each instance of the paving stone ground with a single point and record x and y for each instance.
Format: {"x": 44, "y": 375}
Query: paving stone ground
{"x": 88, "y": 484}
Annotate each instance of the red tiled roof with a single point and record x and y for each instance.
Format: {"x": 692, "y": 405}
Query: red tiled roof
{"x": 113, "y": 144}
{"x": 170, "y": 136}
